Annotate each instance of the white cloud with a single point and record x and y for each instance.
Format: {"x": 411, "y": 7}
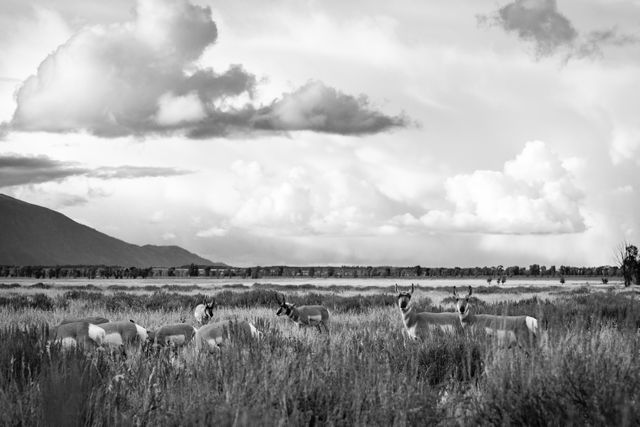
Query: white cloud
{"x": 173, "y": 110}
{"x": 534, "y": 194}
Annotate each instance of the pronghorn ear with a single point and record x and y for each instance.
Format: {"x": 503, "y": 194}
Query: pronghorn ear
{"x": 470, "y": 290}
{"x": 454, "y": 292}
{"x": 131, "y": 320}
{"x": 412, "y": 287}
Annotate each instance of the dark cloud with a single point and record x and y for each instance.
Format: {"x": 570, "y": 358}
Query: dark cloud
{"x": 16, "y": 169}
{"x": 540, "y": 22}
{"x": 139, "y": 78}
{"x": 321, "y": 108}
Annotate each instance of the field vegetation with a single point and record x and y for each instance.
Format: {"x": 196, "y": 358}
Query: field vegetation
{"x": 585, "y": 372}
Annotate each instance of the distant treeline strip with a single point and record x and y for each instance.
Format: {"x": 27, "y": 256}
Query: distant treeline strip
{"x": 119, "y": 272}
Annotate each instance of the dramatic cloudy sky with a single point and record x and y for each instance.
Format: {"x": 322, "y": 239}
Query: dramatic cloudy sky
{"x": 449, "y": 133}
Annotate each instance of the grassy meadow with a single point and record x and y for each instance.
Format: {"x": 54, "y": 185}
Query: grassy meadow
{"x": 586, "y": 372}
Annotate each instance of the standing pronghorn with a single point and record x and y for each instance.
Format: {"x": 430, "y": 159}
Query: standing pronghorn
{"x": 83, "y": 334}
{"x": 204, "y": 312}
{"x": 211, "y": 336}
{"x": 178, "y": 334}
{"x": 512, "y": 329}
{"x": 305, "y": 315}
{"x": 420, "y": 324}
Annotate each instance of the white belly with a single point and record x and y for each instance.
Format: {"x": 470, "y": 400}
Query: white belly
{"x": 175, "y": 339}
{"x": 113, "y": 339}
{"x": 315, "y": 318}
{"x": 68, "y": 342}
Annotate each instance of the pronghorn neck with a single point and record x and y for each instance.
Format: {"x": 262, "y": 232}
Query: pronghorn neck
{"x": 408, "y": 315}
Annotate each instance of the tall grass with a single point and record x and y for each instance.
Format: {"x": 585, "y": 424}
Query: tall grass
{"x": 363, "y": 373}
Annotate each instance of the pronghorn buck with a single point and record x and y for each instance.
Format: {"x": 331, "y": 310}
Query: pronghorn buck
{"x": 305, "y": 315}
{"x": 512, "y": 329}
{"x": 178, "y": 334}
{"x": 213, "y": 335}
{"x": 83, "y": 334}
{"x": 418, "y": 325}
{"x": 123, "y": 333}
{"x": 204, "y": 312}
{"x": 94, "y": 320}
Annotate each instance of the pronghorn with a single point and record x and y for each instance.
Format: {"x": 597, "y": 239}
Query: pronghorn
{"x": 305, "y": 315}
{"x": 94, "y": 320}
{"x": 123, "y": 333}
{"x": 204, "y": 312}
{"x": 178, "y": 334}
{"x": 211, "y": 336}
{"x": 513, "y": 329}
{"x": 83, "y": 334}
{"x": 417, "y": 325}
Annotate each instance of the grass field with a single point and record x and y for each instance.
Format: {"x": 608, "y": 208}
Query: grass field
{"x": 364, "y": 373}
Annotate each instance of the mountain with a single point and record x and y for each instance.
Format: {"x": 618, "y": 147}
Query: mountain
{"x": 34, "y": 235}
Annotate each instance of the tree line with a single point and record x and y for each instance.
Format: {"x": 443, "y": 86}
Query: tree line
{"x": 629, "y": 269}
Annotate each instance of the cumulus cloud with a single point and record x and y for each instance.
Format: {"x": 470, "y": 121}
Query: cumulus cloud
{"x": 320, "y": 108}
{"x": 533, "y": 194}
{"x": 17, "y": 169}
{"x": 141, "y": 77}
{"x": 540, "y": 22}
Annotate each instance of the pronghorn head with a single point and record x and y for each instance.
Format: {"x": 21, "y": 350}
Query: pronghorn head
{"x": 462, "y": 303}
{"x": 285, "y": 307}
{"x": 404, "y": 297}
{"x": 208, "y": 309}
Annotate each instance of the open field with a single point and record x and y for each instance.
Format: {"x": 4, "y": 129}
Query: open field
{"x": 364, "y": 373}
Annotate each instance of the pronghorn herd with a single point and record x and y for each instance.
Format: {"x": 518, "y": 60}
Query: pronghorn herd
{"x": 519, "y": 330}
{"x": 92, "y": 332}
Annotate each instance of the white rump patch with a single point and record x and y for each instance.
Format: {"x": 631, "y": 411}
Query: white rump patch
{"x": 96, "y": 333}
{"x": 114, "y": 339}
{"x": 142, "y": 333}
{"x": 532, "y": 324}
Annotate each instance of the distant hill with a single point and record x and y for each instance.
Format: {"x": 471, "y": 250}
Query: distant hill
{"x": 34, "y": 235}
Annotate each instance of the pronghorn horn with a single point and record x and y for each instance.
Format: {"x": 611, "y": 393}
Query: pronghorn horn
{"x": 397, "y": 289}
{"x": 470, "y": 290}
{"x": 412, "y": 289}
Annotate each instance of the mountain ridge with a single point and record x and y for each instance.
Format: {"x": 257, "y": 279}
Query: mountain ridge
{"x": 34, "y": 235}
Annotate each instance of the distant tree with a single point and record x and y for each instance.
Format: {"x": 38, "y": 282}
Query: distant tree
{"x": 534, "y": 270}
{"x": 627, "y": 257}
{"x": 312, "y": 271}
{"x": 194, "y": 271}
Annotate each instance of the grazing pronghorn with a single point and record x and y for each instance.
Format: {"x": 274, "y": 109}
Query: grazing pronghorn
{"x": 204, "y": 312}
{"x": 178, "y": 334}
{"x": 417, "y": 325}
{"x": 512, "y": 329}
{"x": 94, "y": 320}
{"x": 211, "y": 336}
{"x": 123, "y": 333}
{"x": 83, "y": 334}
{"x": 305, "y": 315}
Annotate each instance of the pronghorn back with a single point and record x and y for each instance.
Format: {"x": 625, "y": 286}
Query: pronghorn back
{"x": 213, "y": 335}
{"x": 177, "y": 334}
{"x": 124, "y": 333}
{"x": 96, "y": 320}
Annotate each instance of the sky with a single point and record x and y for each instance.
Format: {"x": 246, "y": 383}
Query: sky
{"x": 458, "y": 133}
